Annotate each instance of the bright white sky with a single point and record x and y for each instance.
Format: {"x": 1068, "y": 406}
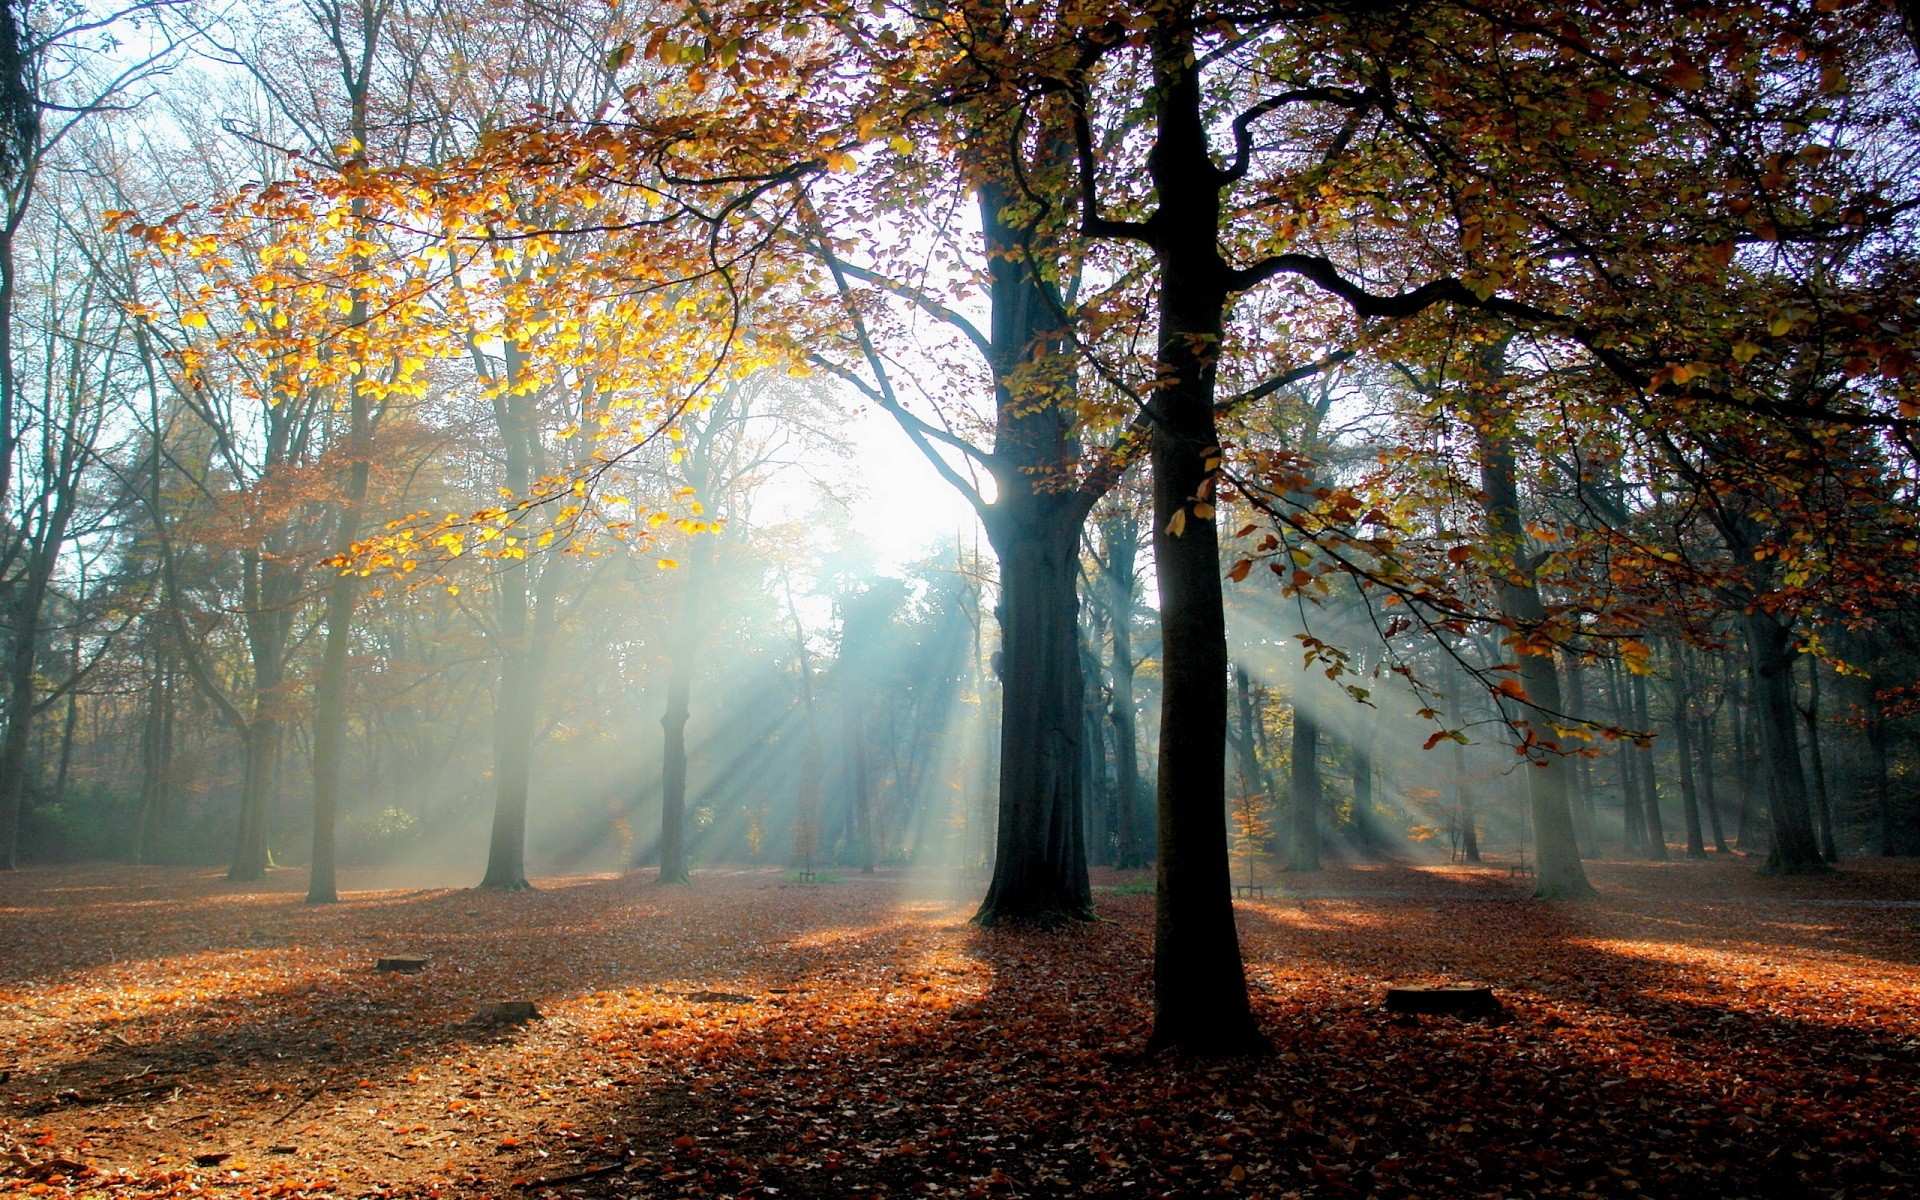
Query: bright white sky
{"x": 898, "y": 501}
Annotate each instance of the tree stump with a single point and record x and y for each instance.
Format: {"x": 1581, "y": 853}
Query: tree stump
{"x": 506, "y": 1012}
{"x": 1452, "y": 999}
{"x": 406, "y": 964}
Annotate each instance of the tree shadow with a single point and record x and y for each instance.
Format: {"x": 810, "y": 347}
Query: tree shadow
{"x": 832, "y": 1041}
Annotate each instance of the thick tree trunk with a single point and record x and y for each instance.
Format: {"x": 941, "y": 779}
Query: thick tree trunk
{"x": 1770, "y": 655}
{"x": 1040, "y": 868}
{"x": 1040, "y": 860}
{"x": 261, "y": 751}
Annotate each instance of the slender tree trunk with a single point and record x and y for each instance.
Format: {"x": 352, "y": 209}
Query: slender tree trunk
{"x": 1099, "y": 800}
{"x": 1708, "y": 787}
{"x": 1582, "y": 777}
{"x": 1558, "y": 874}
{"x": 1770, "y": 653}
{"x": 1656, "y": 844}
{"x": 153, "y": 760}
{"x": 1305, "y": 792}
{"x": 1365, "y": 835}
{"x": 673, "y": 722}
{"x": 1683, "y": 746}
{"x": 1121, "y": 537}
{"x": 1816, "y": 760}
{"x": 330, "y": 700}
{"x": 1469, "y": 838}
{"x": 1743, "y": 759}
{"x": 1200, "y": 986}
{"x": 1882, "y": 799}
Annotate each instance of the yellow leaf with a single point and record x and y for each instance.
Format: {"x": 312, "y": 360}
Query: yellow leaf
{"x": 667, "y": 564}
{"x": 1177, "y": 524}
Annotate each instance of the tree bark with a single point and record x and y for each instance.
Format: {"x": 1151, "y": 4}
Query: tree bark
{"x": 673, "y": 722}
{"x": 1120, "y": 535}
{"x": 1817, "y": 762}
{"x": 1040, "y": 867}
{"x": 1365, "y": 835}
{"x": 1558, "y": 874}
{"x": 1304, "y": 794}
{"x": 1200, "y": 986}
{"x": 1683, "y": 747}
{"x": 1770, "y": 655}
{"x": 1708, "y": 787}
{"x": 1644, "y": 772}
{"x": 1035, "y": 527}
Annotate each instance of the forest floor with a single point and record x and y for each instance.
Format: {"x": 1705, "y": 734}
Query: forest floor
{"x": 1700, "y": 1030}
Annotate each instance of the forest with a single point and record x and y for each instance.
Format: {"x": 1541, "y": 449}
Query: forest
{"x": 831, "y": 598}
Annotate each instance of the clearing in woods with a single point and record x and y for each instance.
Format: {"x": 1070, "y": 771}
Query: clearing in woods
{"x": 1699, "y": 1030}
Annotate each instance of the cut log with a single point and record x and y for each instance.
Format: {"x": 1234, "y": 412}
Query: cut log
{"x": 506, "y": 1012}
{"x": 1454, "y": 999}
{"x": 405, "y": 963}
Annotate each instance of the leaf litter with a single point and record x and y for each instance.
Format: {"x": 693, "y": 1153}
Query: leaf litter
{"x": 1699, "y": 1030}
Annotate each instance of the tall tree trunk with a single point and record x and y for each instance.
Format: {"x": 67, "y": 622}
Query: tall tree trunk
{"x": 1364, "y": 834}
{"x": 1882, "y": 797}
{"x": 260, "y": 754}
{"x": 15, "y": 742}
{"x": 1040, "y": 866}
{"x": 1200, "y": 985}
{"x": 1743, "y": 724}
{"x": 1558, "y": 874}
{"x": 1817, "y": 762}
{"x": 1770, "y": 654}
{"x": 1120, "y": 536}
{"x": 1708, "y": 786}
{"x": 1582, "y": 780}
{"x": 330, "y": 700}
{"x": 1645, "y": 774}
{"x": 155, "y": 758}
{"x": 1469, "y": 844}
{"x": 1305, "y": 793}
{"x": 689, "y": 635}
{"x": 1098, "y": 805}
{"x": 1245, "y": 741}
{"x": 1683, "y": 747}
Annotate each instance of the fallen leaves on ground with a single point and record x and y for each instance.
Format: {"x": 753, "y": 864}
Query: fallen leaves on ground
{"x": 1699, "y": 1030}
